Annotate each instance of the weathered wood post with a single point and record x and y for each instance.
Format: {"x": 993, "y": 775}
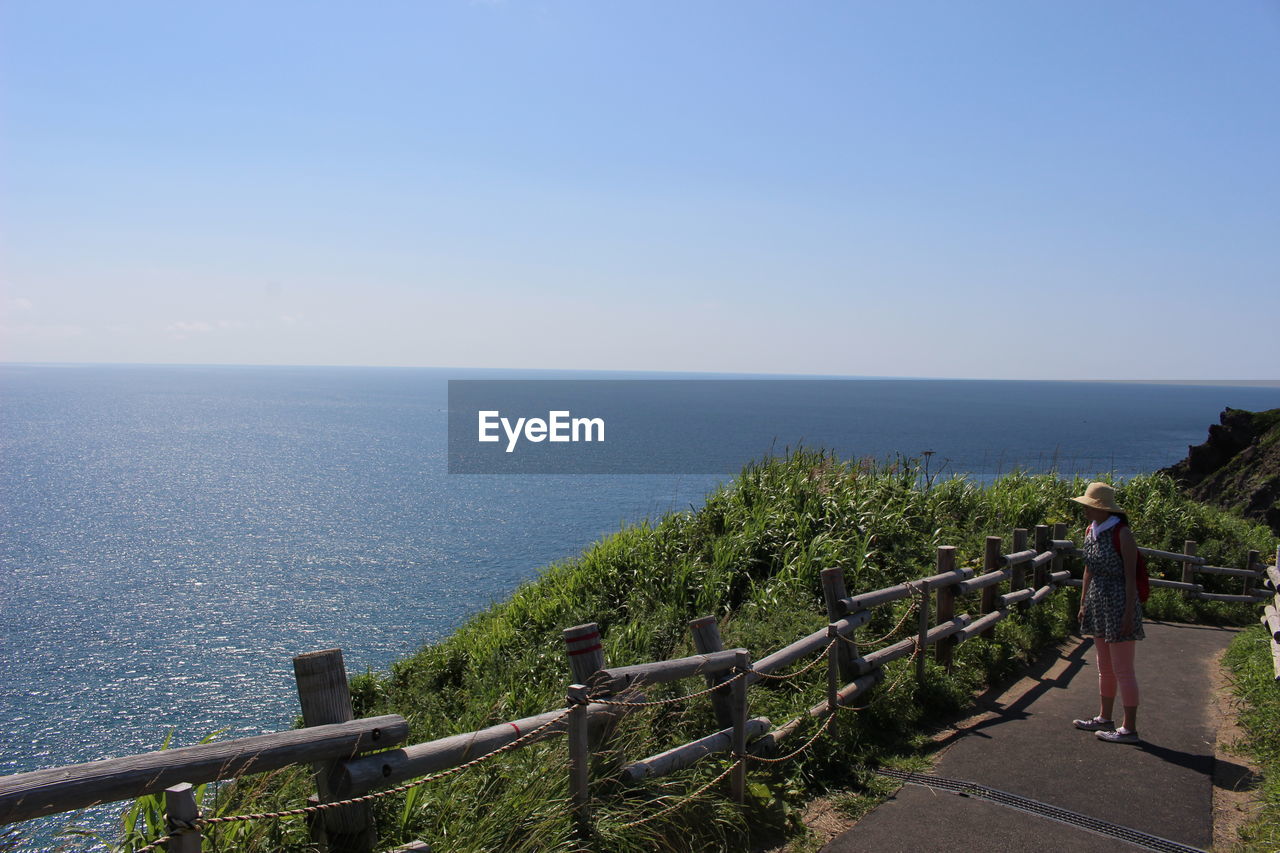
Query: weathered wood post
{"x": 1253, "y": 564}
{"x": 1018, "y": 575}
{"x": 579, "y": 760}
{"x": 181, "y": 810}
{"x": 833, "y": 675}
{"x": 738, "y": 779}
{"x": 946, "y": 604}
{"x": 1188, "y": 567}
{"x": 991, "y": 562}
{"x": 833, "y": 591}
{"x": 1041, "y": 577}
{"x": 585, "y": 650}
{"x": 706, "y": 639}
{"x": 326, "y": 698}
{"x": 922, "y": 633}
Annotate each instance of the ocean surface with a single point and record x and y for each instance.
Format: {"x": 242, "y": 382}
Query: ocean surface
{"x": 171, "y": 536}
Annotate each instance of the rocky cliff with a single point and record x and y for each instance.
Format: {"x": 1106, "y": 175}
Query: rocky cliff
{"x": 1238, "y": 468}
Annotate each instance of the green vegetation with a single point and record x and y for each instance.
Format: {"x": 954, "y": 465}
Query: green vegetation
{"x": 1249, "y": 659}
{"x": 751, "y": 556}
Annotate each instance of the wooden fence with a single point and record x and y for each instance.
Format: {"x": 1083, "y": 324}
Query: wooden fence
{"x": 354, "y": 760}
{"x": 1271, "y": 613}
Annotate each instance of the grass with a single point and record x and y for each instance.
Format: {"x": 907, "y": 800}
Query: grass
{"x": 751, "y": 556}
{"x": 1253, "y": 682}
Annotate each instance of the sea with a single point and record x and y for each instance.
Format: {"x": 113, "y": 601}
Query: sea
{"x": 171, "y": 536}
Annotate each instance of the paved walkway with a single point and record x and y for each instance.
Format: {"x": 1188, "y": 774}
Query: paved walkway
{"x": 1163, "y": 786}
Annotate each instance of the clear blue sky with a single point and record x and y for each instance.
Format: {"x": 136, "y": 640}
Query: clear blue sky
{"x": 1016, "y": 189}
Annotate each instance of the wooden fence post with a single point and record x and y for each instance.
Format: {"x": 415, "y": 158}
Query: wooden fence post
{"x": 706, "y": 640}
{"x": 991, "y": 563}
{"x": 738, "y": 779}
{"x": 1252, "y": 564}
{"x": 922, "y": 634}
{"x": 1018, "y": 575}
{"x": 579, "y": 760}
{"x": 180, "y": 809}
{"x": 946, "y": 604}
{"x": 1188, "y": 567}
{"x": 833, "y": 675}
{"x": 1041, "y": 577}
{"x": 833, "y": 590}
{"x": 585, "y": 650}
{"x": 326, "y": 698}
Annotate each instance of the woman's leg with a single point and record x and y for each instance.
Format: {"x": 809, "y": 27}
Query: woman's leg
{"x": 1106, "y": 679}
{"x": 1127, "y": 679}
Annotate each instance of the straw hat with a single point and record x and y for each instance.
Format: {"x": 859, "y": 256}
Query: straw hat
{"x": 1099, "y": 496}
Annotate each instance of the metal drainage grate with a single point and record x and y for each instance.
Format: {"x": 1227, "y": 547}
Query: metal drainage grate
{"x": 1035, "y": 807}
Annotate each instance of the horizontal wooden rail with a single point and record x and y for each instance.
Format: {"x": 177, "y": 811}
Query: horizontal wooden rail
{"x": 1042, "y": 559}
{"x": 360, "y": 775}
{"x": 845, "y": 695}
{"x": 1240, "y": 599}
{"x": 1173, "y": 555}
{"x": 1016, "y": 596}
{"x": 621, "y": 678}
{"x": 1239, "y": 573}
{"x": 680, "y": 757}
{"x": 901, "y": 649}
{"x": 1271, "y": 619}
{"x": 1018, "y": 558}
{"x": 806, "y": 645}
{"x": 1063, "y": 545}
{"x": 977, "y": 626}
{"x": 44, "y": 792}
{"x": 982, "y": 581}
{"x": 875, "y": 598}
{"x": 1042, "y": 593}
{"x": 1189, "y": 587}
{"x": 942, "y": 579}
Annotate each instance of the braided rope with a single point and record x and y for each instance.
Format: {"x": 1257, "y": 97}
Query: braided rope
{"x": 672, "y": 701}
{"x": 201, "y": 823}
{"x": 915, "y": 603}
{"x": 798, "y": 672}
{"x": 825, "y": 725}
{"x": 685, "y": 801}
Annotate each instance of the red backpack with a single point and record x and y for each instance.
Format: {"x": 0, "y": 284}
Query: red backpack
{"x": 1144, "y": 586}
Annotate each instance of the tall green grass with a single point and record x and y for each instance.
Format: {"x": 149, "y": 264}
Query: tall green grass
{"x": 1258, "y": 695}
{"x": 752, "y": 557}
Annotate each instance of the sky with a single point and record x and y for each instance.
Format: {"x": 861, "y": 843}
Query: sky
{"x": 1021, "y": 189}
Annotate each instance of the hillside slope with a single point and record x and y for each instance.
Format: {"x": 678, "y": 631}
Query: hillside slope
{"x": 1238, "y": 467}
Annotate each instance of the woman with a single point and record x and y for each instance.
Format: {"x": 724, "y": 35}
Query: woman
{"x": 1110, "y": 611}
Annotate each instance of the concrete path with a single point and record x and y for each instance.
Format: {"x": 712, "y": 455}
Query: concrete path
{"x": 1163, "y": 786}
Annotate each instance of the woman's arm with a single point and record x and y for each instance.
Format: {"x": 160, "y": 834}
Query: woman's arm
{"x": 1129, "y": 553}
{"x": 1084, "y": 591}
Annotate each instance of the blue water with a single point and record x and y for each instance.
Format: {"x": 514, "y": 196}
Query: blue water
{"x": 171, "y": 536}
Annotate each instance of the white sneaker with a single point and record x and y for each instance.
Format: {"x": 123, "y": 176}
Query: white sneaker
{"x": 1120, "y": 735}
{"x": 1097, "y": 724}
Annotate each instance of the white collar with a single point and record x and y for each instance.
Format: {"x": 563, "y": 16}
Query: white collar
{"x": 1095, "y": 529}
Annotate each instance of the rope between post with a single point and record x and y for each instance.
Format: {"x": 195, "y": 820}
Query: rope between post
{"x": 825, "y": 725}
{"x": 672, "y": 701}
{"x": 686, "y": 800}
{"x": 201, "y": 823}
{"x": 798, "y": 672}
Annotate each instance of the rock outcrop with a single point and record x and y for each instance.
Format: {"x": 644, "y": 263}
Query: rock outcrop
{"x": 1238, "y": 468}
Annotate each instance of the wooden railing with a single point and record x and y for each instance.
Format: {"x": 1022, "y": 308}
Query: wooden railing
{"x": 1271, "y": 613}
{"x": 349, "y": 768}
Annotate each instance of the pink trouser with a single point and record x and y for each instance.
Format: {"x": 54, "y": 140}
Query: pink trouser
{"x": 1115, "y": 666}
